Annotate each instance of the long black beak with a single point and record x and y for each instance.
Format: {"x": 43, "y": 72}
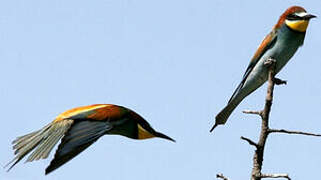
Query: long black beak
{"x": 160, "y": 135}
{"x": 309, "y": 16}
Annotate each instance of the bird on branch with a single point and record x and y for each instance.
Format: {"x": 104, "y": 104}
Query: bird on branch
{"x": 280, "y": 44}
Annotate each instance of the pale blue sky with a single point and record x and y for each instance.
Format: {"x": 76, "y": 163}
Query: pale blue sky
{"x": 174, "y": 62}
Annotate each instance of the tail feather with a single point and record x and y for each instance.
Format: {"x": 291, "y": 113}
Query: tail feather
{"x": 222, "y": 116}
{"x": 23, "y": 150}
{"x": 20, "y": 139}
{"x": 51, "y": 143}
{"x": 41, "y": 141}
{"x": 47, "y": 144}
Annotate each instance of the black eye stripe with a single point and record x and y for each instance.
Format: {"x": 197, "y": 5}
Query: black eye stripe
{"x": 294, "y": 17}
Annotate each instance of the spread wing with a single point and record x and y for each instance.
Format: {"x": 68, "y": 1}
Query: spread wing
{"x": 79, "y": 137}
{"x": 78, "y": 127}
{"x": 266, "y": 44}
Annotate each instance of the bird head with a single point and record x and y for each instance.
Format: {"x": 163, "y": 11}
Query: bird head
{"x": 296, "y": 18}
{"x": 145, "y": 131}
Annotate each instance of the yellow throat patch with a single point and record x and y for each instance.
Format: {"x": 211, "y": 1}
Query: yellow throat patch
{"x": 143, "y": 134}
{"x": 298, "y": 25}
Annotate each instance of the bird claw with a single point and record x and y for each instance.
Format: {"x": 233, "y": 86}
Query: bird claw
{"x": 269, "y": 61}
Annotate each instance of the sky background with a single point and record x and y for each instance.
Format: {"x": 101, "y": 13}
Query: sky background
{"x": 174, "y": 62}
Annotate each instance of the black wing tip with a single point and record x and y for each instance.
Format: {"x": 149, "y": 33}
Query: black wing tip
{"x": 49, "y": 169}
{"x": 54, "y": 164}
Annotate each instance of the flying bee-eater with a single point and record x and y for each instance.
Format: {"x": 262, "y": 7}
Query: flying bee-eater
{"x": 78, "y": 128}
{"x": 280, "y": 45}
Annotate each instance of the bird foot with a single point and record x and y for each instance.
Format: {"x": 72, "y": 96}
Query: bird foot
{"x": 269, "y": 62}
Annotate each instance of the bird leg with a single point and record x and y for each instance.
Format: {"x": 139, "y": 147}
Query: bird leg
{"x": 268, "y": 62}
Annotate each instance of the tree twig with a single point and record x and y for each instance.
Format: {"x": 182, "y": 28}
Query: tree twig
{"x": 249, "y": 141}
{"x": 252, "y": 112}
{"x": 286, "y": 176}
{"x": 293, "y": 132}
{"x": 221, "y": 176}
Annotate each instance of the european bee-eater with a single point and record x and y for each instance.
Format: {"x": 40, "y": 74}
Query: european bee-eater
{"x": 280, "y": 44}
{"x": 79, "y": 128}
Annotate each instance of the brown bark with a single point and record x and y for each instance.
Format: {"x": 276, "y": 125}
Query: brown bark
{"x": 266, "y": 130}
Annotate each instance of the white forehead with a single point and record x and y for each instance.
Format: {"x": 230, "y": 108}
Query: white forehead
{"x": 301, "y": 14}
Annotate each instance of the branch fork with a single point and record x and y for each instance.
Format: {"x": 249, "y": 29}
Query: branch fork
{"x": 265, "y": 129}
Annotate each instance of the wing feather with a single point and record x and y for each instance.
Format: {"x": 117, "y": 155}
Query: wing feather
{"x": 266, "y": 44}
{"x": 80, "y": 136}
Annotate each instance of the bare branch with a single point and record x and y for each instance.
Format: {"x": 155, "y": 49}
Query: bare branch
{"x": 265, "y": 129}
{"x": 286, "y": 176}
{"x": 293, "y": 132}
{"x": 249, "y": 141}
{"x": 252, "y": 112}
{"x": 221, "y": 176}
{"x": 265, "y": 113}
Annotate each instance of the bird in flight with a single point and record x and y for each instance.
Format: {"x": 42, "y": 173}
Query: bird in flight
{"x": 280, "y": 45}
{"x": 78, "y": 128}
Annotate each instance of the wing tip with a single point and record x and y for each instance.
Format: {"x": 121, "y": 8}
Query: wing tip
{"x": 52, "y": 166}
{"x": 48, "y": 170}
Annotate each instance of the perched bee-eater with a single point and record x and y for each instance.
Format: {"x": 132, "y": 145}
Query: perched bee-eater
{"x": 280, "y": 45}
{"x": 79, "y": 128}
